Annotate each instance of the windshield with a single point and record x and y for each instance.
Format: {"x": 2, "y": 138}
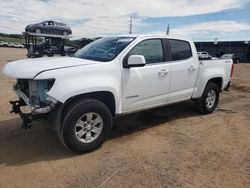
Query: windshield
{"x": 104, "y": 49}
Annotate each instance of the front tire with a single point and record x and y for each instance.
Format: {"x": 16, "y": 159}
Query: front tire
{"x": 86, "y": 125}
{"x": 207, "y": 103}
{"x": 38, "y": 30}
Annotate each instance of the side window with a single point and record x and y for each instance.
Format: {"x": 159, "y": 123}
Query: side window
{"x": 45, "y": 23}
{"x": 151, "y": 50}
{"x": 180, "y": 49}
{"x": 50, "y": 23}
{"x": 58, "y": 24}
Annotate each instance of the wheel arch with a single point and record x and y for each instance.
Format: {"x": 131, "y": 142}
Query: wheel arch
{"x": 218, "y": 81}
{"x": 57, "y": 114}
{"x": 105, "y": 97}
{"x": 201, "y": 85}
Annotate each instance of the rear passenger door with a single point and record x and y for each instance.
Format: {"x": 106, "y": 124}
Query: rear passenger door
{"x": 184, "y": 70}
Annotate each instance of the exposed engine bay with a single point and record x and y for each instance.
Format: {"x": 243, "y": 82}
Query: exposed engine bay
{"x": 33, "y": 93}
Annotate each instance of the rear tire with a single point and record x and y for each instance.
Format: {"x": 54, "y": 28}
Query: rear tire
{"x": 86, "y": 125}
{"x": 207, "y": 103}
{"x": 65, "y": 33}
{"x": 45, "y": 55}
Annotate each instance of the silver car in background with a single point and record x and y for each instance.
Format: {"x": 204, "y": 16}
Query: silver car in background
{"x": 49, "y": 27}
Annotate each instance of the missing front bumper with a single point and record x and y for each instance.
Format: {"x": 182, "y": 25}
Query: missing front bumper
{"x": 27, "y": 118}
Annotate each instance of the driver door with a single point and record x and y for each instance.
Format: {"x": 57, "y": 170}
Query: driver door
{"x": 148, "y": 86}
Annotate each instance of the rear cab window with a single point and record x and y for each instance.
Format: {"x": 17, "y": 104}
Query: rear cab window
{"x": 179, "y": 49}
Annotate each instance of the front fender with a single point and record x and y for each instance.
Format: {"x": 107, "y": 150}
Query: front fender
{"x": 74, "y": 81}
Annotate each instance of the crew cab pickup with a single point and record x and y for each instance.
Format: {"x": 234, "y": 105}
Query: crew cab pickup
{"x": 110, "y": 77}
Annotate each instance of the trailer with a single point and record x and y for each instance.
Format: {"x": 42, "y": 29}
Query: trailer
{"x": 44, "y": 45}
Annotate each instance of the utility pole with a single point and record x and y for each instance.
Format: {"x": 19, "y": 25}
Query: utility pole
{"x": 216, "y": 47}
{"x": 168, "y": 29}
{"x": 215, "y": 40}
{"x": 130, "y": 25}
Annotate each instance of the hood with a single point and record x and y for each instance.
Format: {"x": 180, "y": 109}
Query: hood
{"x": 29, "y": 68}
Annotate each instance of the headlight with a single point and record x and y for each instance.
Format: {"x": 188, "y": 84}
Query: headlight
{"x": 38, "y": 91}
{"x": 35, "y": 90}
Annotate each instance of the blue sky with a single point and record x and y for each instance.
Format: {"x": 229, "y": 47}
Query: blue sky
{"x": 241, "y": 15}
{"x": 200, "y": 20}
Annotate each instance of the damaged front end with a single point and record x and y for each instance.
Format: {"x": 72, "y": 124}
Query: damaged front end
{"x": 33, "y": 93}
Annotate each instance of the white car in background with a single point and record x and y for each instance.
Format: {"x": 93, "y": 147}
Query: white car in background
{"x": 203, "y": 55}
{"x": 18, "y": 46}
{"x": 11, "y": 44}
{"x": 3, "y": 44}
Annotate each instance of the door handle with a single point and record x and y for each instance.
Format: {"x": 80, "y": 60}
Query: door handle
{"x": 191, "y": 68}
{"x": 163, "y": 72}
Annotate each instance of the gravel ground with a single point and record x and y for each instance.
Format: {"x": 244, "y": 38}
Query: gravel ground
{"x": 170, "y": 147}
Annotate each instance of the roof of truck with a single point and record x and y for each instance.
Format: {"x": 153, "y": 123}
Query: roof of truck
{"x": 150, "y": 36}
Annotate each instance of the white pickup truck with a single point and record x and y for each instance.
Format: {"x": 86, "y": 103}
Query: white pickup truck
{"x": 110, "y": 77}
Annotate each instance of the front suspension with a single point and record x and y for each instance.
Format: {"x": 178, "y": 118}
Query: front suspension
{"x": 26, "y": 117}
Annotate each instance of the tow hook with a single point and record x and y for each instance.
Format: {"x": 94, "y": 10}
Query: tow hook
{"x": 26, "y": 117}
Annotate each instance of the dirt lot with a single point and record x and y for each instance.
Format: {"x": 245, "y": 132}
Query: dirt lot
{"x": 176, "y": 147}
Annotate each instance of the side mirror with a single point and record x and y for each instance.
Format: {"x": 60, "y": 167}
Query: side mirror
{"x": 136, "y": 61}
